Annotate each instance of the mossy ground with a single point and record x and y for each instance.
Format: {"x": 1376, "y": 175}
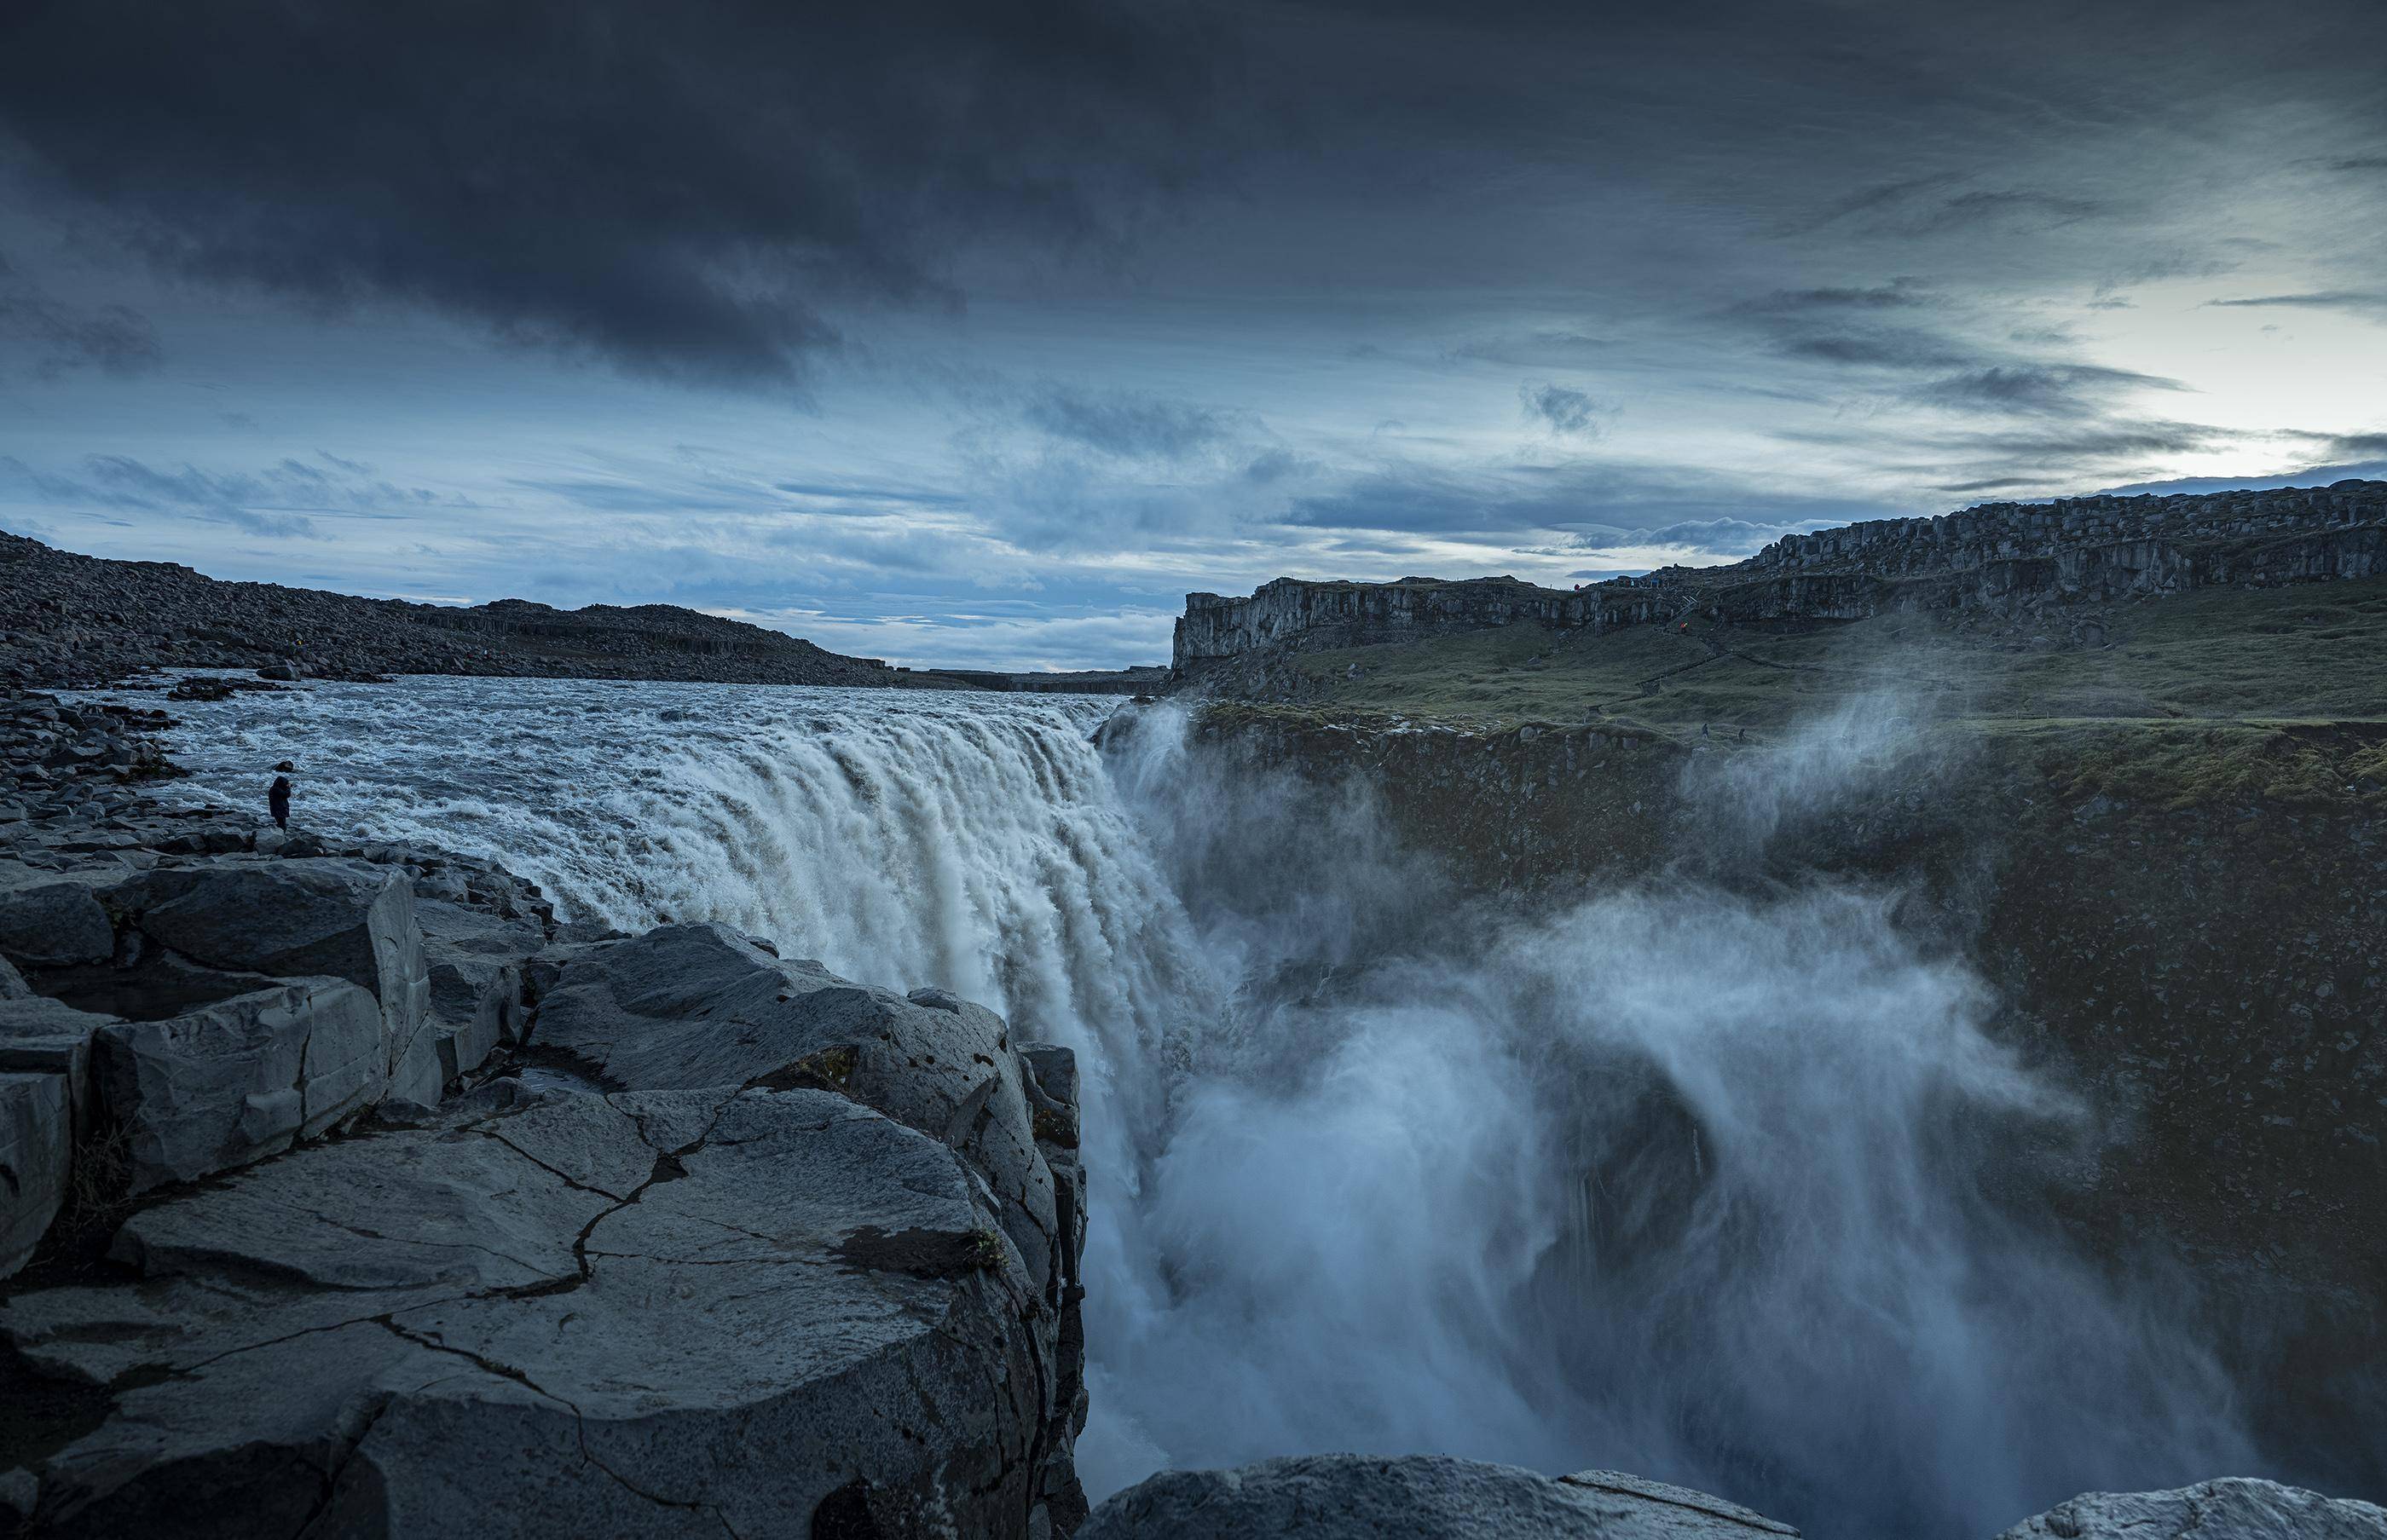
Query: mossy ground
{"x": 2278, "y": 694}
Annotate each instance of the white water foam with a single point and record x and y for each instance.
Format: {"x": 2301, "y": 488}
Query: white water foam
{"x": 1664, "y": 1178}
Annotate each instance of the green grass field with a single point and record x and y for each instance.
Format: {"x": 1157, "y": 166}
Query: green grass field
{"x": 2280, "y": 693}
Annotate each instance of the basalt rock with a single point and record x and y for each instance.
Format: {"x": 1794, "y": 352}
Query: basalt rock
{"x": 1368, "y": 1498}
{"x": 1998, "y": 557}
{"x": 2238, "y": 1507}
{"x": 342, "y": 919}
{"x": 36, "y": 1142}
{"x": 47, "y": 920}
{"x": 699, "y": 1005}
{"x": 474, "y": 962}
{"x": 735, "y": 1310}
{"x": 234, "y": 1082}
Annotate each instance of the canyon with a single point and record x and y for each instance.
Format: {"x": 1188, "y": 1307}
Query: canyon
{"x": 1997, "y": 950}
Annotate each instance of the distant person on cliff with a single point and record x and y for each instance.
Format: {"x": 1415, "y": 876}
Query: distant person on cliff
{"x": 277, "y": 796}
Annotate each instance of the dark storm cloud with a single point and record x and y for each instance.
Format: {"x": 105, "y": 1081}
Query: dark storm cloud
{"x": 2056, "y": 459}
{"x": 1902, "y": 294}
{"x": 1845, "y": 325}
{"x": 681, "y": 188}
{"x": 2038, "y": 388}
{"x": 1126, "y": 424}
{"x": 1548, "y": 348}
{"x": 1868, "y": 200}
{"x": 1821, "y": 255}
{"x": 2335, "y": 299}
{"x": 1596, "y": 505}
{"x": 276, "y": 501}
{"x": 1881, "y": 347}
{"x": 51, "y": 337}
{"x": 2008, "y": 208}
{"x": 1562, "y": 409}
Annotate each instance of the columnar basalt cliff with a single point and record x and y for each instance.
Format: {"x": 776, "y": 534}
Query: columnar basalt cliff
{"x": 2000, "y": 556}
{"x": 343, "y": 1192}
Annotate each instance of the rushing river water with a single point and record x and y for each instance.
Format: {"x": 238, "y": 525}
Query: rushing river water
{"x": 1657, "y": 1179}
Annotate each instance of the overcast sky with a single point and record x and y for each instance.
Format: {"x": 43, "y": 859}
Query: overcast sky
{"x": 974, "y": 332}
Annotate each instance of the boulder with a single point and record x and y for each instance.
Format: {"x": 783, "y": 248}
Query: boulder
{"x": 42, "y": 1036}
{"x": 47, "y": 920}
{"x": 36, "y": 1148}
{"x": 1369, "y": 1497}
{"x": 232, "y": 1083}
{"x": 662, "y": 1314}
{"x": 12, "y": 983}
{"x": 474, "y": 962}
{"x": 304, "y": 917}
{"x": 2238, "y": 1507}
{"x": 690, "y": 1005}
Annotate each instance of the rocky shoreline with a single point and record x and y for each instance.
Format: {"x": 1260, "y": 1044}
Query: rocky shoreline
{"x": 347, "y": 1193}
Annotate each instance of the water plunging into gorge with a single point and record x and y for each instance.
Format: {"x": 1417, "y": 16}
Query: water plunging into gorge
{"x": 1659, "y": 1178}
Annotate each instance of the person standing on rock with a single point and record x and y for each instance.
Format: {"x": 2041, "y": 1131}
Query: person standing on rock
{"x": 277, "y": 796}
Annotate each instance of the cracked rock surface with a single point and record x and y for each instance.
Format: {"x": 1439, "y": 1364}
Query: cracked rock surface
{"x": 1366, "y": 1497}
{"x": 342, "y": 1192}
{"x": 698, "y": 1006}
{"x": 2240, "y": 1508}
{"x": 658, "y": 1313}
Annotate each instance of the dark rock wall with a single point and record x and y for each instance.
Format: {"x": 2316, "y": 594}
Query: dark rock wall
{"x": 2001, "y": 556}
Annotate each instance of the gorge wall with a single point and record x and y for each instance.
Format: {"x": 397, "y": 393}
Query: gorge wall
{"x": 2206, "y": 977}
{"x": 1999, "y": 555}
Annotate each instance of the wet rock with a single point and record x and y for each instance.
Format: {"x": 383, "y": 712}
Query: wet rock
{"x": 1368, "y": 1498}
{"x": 672, "y": 1314}
{"x": 36, "y": 1140}
{"x": 234, "y": 1082}
{"x": 2236, "y": 1506}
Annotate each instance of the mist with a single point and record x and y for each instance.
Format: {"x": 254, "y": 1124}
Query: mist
{"x": 1722, "y": 1186}
{"x": 1718, "y": 1174}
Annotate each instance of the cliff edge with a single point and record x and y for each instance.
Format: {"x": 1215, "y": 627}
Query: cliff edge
{"x": 1998, "y": 557}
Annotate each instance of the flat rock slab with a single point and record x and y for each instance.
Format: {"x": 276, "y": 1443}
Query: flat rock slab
{"x": 661, "y": 1313}
{"x": 2239, "y": 1507}
{"x": 687, "y": 1005}
{"x": 1365, "y": 1498}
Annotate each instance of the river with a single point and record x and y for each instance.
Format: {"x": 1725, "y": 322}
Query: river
{"x": 1656, "y": 1179}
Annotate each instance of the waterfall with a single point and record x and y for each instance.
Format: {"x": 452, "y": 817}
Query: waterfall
{"x": 1662, "y": 1179}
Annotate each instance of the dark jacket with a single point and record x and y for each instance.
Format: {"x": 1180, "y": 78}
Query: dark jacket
{"x": 277, "y": 796}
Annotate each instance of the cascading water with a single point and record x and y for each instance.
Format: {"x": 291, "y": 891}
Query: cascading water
{"x": 1665, "y": 1179}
